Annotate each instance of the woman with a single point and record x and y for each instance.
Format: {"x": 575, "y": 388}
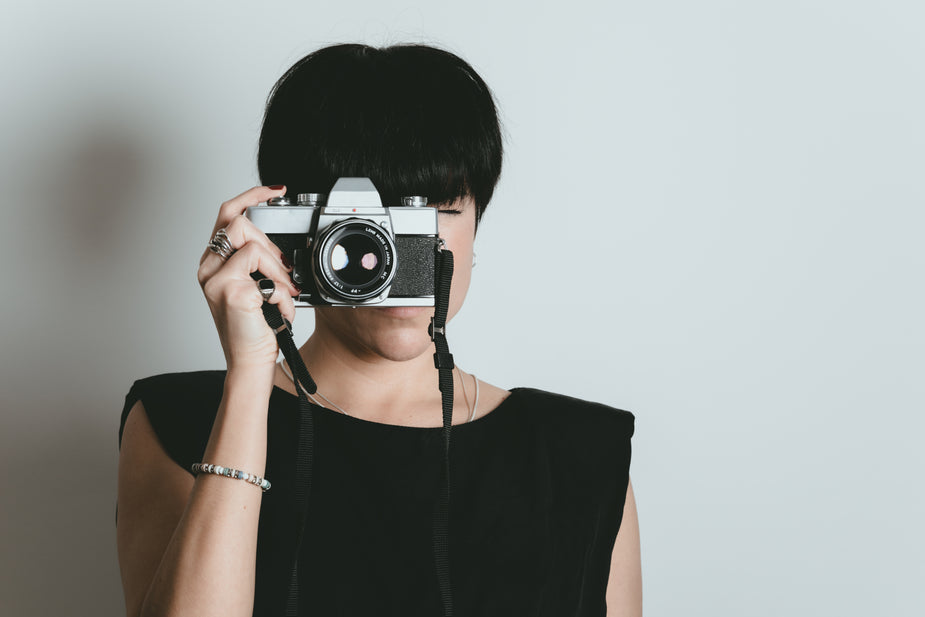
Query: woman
{"x": 542, "y": 518}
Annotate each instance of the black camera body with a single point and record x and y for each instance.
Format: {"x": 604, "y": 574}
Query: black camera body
{"x": 347, "y": 249}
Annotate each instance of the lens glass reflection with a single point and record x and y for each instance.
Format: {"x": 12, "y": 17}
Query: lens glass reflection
{"x": 355, "y": 259}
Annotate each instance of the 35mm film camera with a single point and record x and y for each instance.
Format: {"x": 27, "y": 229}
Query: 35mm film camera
{"x": 346, "y": 249}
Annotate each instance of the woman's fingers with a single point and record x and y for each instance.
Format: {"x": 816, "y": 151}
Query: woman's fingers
{"x": 240, "y": 231}
{"x": 234, "y": 296}
{"x": 237, "y": 205}
{"x": 254, "y": 257}
{"x": 282, "y": 298}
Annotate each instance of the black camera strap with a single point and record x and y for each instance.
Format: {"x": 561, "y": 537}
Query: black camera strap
{"x": 306, "y": 444}
{"x": 443, "y": 361}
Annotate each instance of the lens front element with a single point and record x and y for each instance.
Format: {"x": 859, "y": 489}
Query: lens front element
{"x": 355, "y": 260}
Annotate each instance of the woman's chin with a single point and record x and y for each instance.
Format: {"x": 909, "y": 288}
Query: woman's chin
{"x": 397, "y": 333}
{"x": 401, "y": 331}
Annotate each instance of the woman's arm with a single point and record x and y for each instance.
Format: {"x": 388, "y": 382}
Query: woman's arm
{"x": 188, "y": 546}
{"x": 624, "y": 587}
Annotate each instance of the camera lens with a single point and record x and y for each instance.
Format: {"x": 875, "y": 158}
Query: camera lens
{"x": 355, "y": 260}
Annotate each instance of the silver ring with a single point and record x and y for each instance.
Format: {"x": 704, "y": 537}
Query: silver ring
{"x": 221, "y": 245}
{"x": 266, "y": 287}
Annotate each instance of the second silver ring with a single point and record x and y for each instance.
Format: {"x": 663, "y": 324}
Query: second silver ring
{"x": 266, "y": 287}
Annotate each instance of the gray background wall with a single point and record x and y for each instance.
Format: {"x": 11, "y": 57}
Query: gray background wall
{"x": 710, "y": 214}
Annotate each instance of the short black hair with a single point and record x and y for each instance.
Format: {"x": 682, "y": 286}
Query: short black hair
{"x": 415, "y": 119}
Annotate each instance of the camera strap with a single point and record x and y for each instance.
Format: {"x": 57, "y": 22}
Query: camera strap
{"x": 443, "y": 361}
{"x": 306, "y": 437}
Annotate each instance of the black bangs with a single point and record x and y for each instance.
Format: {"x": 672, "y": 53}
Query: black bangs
{"x": 414, "y": 119}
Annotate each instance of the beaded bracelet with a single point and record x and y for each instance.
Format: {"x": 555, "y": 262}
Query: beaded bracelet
{"x": 228, "y": 472}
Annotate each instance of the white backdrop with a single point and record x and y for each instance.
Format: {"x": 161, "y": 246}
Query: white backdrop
{"x": 711, "y": 214}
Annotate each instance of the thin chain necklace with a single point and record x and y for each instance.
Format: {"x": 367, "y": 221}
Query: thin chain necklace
{"x": 285, "y": 367}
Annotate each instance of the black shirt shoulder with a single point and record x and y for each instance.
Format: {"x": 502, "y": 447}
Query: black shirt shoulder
{"x": 576, "y": 425}
{"x": 588, "y": 444}
{"x": 577, "y": 413}
{"x": 181, "y": 408}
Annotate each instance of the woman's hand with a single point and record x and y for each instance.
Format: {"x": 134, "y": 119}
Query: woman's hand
{"x": 232, "y": 293}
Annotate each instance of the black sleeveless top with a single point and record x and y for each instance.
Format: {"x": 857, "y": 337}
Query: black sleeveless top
{"x": 538, "y": 487}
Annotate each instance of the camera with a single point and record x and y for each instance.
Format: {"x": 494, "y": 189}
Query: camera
{"x": 347, "y": 249}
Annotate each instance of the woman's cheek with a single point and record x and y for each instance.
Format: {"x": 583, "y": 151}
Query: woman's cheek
{"x": 462, "y": 276}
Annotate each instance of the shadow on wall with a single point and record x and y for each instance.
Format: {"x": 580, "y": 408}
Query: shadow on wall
{"x": 79, "y": 178}
{"x": 95, "y": 179}
{"x": 85, "y": 179}
{"x": 60, "y": 556}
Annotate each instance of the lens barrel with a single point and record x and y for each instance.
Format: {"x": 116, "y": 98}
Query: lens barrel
{"x": 354, "y": 260}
